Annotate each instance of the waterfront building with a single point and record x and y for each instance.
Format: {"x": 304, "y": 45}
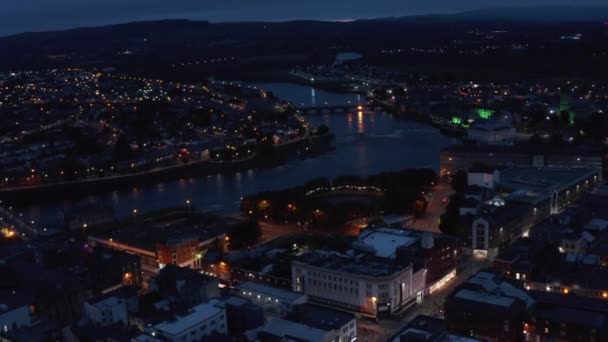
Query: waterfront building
{"x": 464, "y": 157}
{"x": 491, "y": 133}
{"x": 157, "y": 246}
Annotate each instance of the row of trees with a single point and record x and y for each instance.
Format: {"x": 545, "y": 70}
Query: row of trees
{"x": 314, "y": 203}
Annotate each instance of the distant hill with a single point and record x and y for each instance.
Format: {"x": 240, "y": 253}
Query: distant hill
{"x": 156, "y": 47}
{"x": 555, "y": 14}
{"x": 540, "y": 14}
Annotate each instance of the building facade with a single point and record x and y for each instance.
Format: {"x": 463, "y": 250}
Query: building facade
{"x": 365, "y": 284}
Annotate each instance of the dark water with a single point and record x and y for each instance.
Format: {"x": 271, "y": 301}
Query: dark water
{"x": 365, "y": 143}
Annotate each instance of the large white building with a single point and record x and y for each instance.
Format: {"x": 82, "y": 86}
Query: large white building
{"x": 492, "y": 133}
{"x": 360, "y": 283}
{"x": 199, "y": 322}
{"x": 107, "y": 311}
{"x": 270, "y": 298}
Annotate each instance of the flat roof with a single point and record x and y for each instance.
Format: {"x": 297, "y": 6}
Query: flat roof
{"x": 490, "y": 125}
{"x": 148, "y": 236}
{"x": 320, "y": 317}
{"x": 386, "y": 241}
{"x": 285, "y": 328}
{"x": 583, "y": 150}
{"x": 109, "y": 301}
{"x": 531, "y": 184}
{"x": 360, "y": 265}
{"x": 282, "y": 295}
{"x": 539, "y": 179}
{"x": 196, "y": 315}
{"x": 485, "y": 298}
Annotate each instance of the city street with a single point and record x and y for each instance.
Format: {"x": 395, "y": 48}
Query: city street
{"x": 271, "y": 230}
{"x": 435, "y": 208}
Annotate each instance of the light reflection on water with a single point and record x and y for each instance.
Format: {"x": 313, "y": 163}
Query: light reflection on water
{"x": 378, "y": 143}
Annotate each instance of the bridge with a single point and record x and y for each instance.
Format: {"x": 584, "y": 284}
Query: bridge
{"x": 343, "y": 108}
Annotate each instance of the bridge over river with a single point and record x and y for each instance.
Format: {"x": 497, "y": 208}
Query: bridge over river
{"x": 344, "y": 108}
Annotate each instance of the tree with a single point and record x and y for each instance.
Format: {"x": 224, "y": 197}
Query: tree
{"x": 323, "y": 129}
{"x": 556, "y": 139}
{"x": 244, "y": 234}
{"x": 122, "y": 149}
{"x": 536, "y": 139}
{"x": 564, "y": 117}
{"x": 459, "y": 182}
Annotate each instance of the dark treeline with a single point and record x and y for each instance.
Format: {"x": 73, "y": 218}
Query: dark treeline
{"x": 329, "y": 204}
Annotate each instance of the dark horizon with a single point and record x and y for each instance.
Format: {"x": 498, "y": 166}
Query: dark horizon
{"x": 26, "y": 16}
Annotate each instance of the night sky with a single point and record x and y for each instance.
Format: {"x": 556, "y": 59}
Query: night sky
{"x": 38, "y": 15}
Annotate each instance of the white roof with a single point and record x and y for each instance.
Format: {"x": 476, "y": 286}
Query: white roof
{"x": 487, "y": 281}
{"x": 283, "y": 295}
{"x": 284, "y": 328}
{"x": 485, "y": 298}
{"x": 386, "y": 241}
{"x": 197, "y": 315}
{"x": 110, "y": 301}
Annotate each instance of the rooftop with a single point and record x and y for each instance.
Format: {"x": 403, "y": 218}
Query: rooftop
{"x": 147, "y": 235}
{"x": 320, "y": 317}
{"x": 282, "y": 295}
{"x": 384, "y": 242}
{"x": 490, "y": 126}
{"x": 486, "y": 298}
{"x": 583, "y": 150}
{"x": 196, "y": 315}
{"x": 541, "y": 181}
{"x": 299, "y": 331}
{"x": 361, "y": 265}
{"x": 427, "y": 329}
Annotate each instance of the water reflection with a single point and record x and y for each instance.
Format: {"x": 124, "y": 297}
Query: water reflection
{"x": 360, "y": 123}
{"x": 379, "y": 143}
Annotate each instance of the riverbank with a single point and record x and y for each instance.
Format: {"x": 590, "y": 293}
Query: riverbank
{"x": 79, "y": 188}
{"x": 363, "y": 145}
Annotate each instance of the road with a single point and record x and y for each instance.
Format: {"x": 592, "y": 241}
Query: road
{"x": 435, "y": 208}
{"x": 270, "y": 230}
{"x": 9, "y": 219}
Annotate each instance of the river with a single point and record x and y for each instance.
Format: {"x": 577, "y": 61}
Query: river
{"x": 365, "y": 143}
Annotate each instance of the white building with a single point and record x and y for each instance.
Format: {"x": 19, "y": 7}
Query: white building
{"x": 487, "y": 180}
{"x": 107, "y": 311}
{"x": 14, "y": 312}
{"x": 491, "y": 133}
{"x": 201, "y": 321}
{"x": 270, "y": 298}
{"x": 362, "y": 283}
{"x": 314, "y": 323}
